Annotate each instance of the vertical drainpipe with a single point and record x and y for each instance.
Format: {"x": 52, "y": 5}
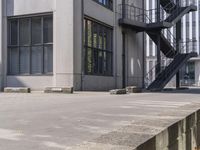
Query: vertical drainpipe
{"x": 115, "y": 58}
{"x": 123, "y": 9}
{"x": 82, "y": 44}
{"x": 1, "y": 46}
{"x": 123, "y": 46}
{"x": 144, "y": 50}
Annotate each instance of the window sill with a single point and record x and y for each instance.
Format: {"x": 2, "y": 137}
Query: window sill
{"x": 33, "y": 75}
{"x": 99, "y": 75}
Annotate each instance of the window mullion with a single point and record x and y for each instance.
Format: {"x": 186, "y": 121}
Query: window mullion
{"x": 30, "y": 49}
{"x": 18, "y": 46}
{"x": 86, "y": 48}
{"x": 92, "y": 49}
{"x": 103, "y": 70}
{"x": 42, "y": 34}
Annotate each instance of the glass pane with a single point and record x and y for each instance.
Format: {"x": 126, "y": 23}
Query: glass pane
{"x": 36, "y": 60}
{"x": 14, "y": 62}
{"x": 25, "y": 31}
{"x": 48, "y": 29}
{"x": 48, "y": 59}
{"x": 13, "y": 32}
{"x": 89, "y": 65}
{"x": 95, "y": 61}
{"x": 89, "y": 33}
{"x": 84, "y": 30}
{"x": 109, "y": 63}
{"x": 100, "y": 61}
{"x": 36, "y": 30}
{"x": 100, "y": 37}
{"x": 105, "y": 40}
{"x": 95, "y": 35}
{"x": 109, "y": 40}
{"x": 24, "y": 60}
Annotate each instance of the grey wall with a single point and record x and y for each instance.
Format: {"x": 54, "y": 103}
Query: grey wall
{"x": 63, "y": 41}
{"x": 68, "y": 51}
{"x": 134, "y": 59}
{"x": 1, "y": 41}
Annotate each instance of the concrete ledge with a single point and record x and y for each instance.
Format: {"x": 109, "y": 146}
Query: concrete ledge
{"x": 118, "y": 92}
{"x": 59, "y": 90}
{"x": 134, "y": 89}
{"x": 17, "y": 90}
{"x": 182, "y": 135}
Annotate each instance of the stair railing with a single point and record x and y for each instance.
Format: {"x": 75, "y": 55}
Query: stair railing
{"x": 169, "y": 10}
{"x": 184, "y": 48}
{"x": 131, "y": 12}
{"x": 171, "y": 39}
{"x": 152, "y": 75}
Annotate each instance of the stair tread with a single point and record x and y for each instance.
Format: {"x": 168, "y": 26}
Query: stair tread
{"x": 168, "y": 73}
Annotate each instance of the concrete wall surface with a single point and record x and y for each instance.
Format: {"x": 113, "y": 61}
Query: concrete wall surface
{"x": 183, "y": 135}
{"x": 68, "y": 50}
{"x": 62, "y": 11}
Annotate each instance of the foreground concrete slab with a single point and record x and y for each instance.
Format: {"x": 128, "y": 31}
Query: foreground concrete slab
{"x": 89, "y": 121}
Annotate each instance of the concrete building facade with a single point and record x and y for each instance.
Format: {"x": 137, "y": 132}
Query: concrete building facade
{"x": 68, "y": 43}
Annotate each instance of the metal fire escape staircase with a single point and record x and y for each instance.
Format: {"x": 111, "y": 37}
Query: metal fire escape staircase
{"x": 141, "y": 20}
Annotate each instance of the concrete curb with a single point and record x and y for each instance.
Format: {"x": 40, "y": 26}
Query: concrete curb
{"x": 118, "y": 92}
{"x": 17, "y": 90}
{"x": 65, "y": 90}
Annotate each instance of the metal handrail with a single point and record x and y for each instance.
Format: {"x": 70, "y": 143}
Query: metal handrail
{"x": 135, "y": 13}
{"x": 173, "y": 43}
{"x": 182, "y": 45}
{"x": 169, "y": 10}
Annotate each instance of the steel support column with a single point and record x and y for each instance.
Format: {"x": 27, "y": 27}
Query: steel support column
{"x": 123, "y": 9}
{"x": 158, "y": 67}
{"x": 123, "y": 60}
{"x": 178, "y": 39}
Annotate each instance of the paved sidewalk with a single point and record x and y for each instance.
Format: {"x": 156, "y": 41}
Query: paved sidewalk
{"x": 88, "y": 120}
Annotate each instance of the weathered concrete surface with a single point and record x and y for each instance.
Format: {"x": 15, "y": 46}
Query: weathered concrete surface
{"x": 66, "y": 90}
{"x": 17, "y": 90}
{"x": 83, "y": 121}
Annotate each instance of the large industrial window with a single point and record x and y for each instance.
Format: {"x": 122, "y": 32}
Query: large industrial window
{"x": 98, "y": 48}
{"x": 30, "y": 45}
{"x": 106, "y": 3}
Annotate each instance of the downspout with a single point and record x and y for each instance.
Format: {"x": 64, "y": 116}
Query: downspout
{"x": 82, "y": 44}
{"x": 123, "y": 47}
{"x": 144, "y": 49}
{"x": 115, "y": 69}
{"x": 1, "y": 46}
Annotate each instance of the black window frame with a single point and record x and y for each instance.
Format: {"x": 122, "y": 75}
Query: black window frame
{"x": 108, "y": 5}
{"x": 30, "y": 45}
{"x": 96, "y": 51}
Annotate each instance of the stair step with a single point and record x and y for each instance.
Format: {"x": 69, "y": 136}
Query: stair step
{"x": 166, "y": 75}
